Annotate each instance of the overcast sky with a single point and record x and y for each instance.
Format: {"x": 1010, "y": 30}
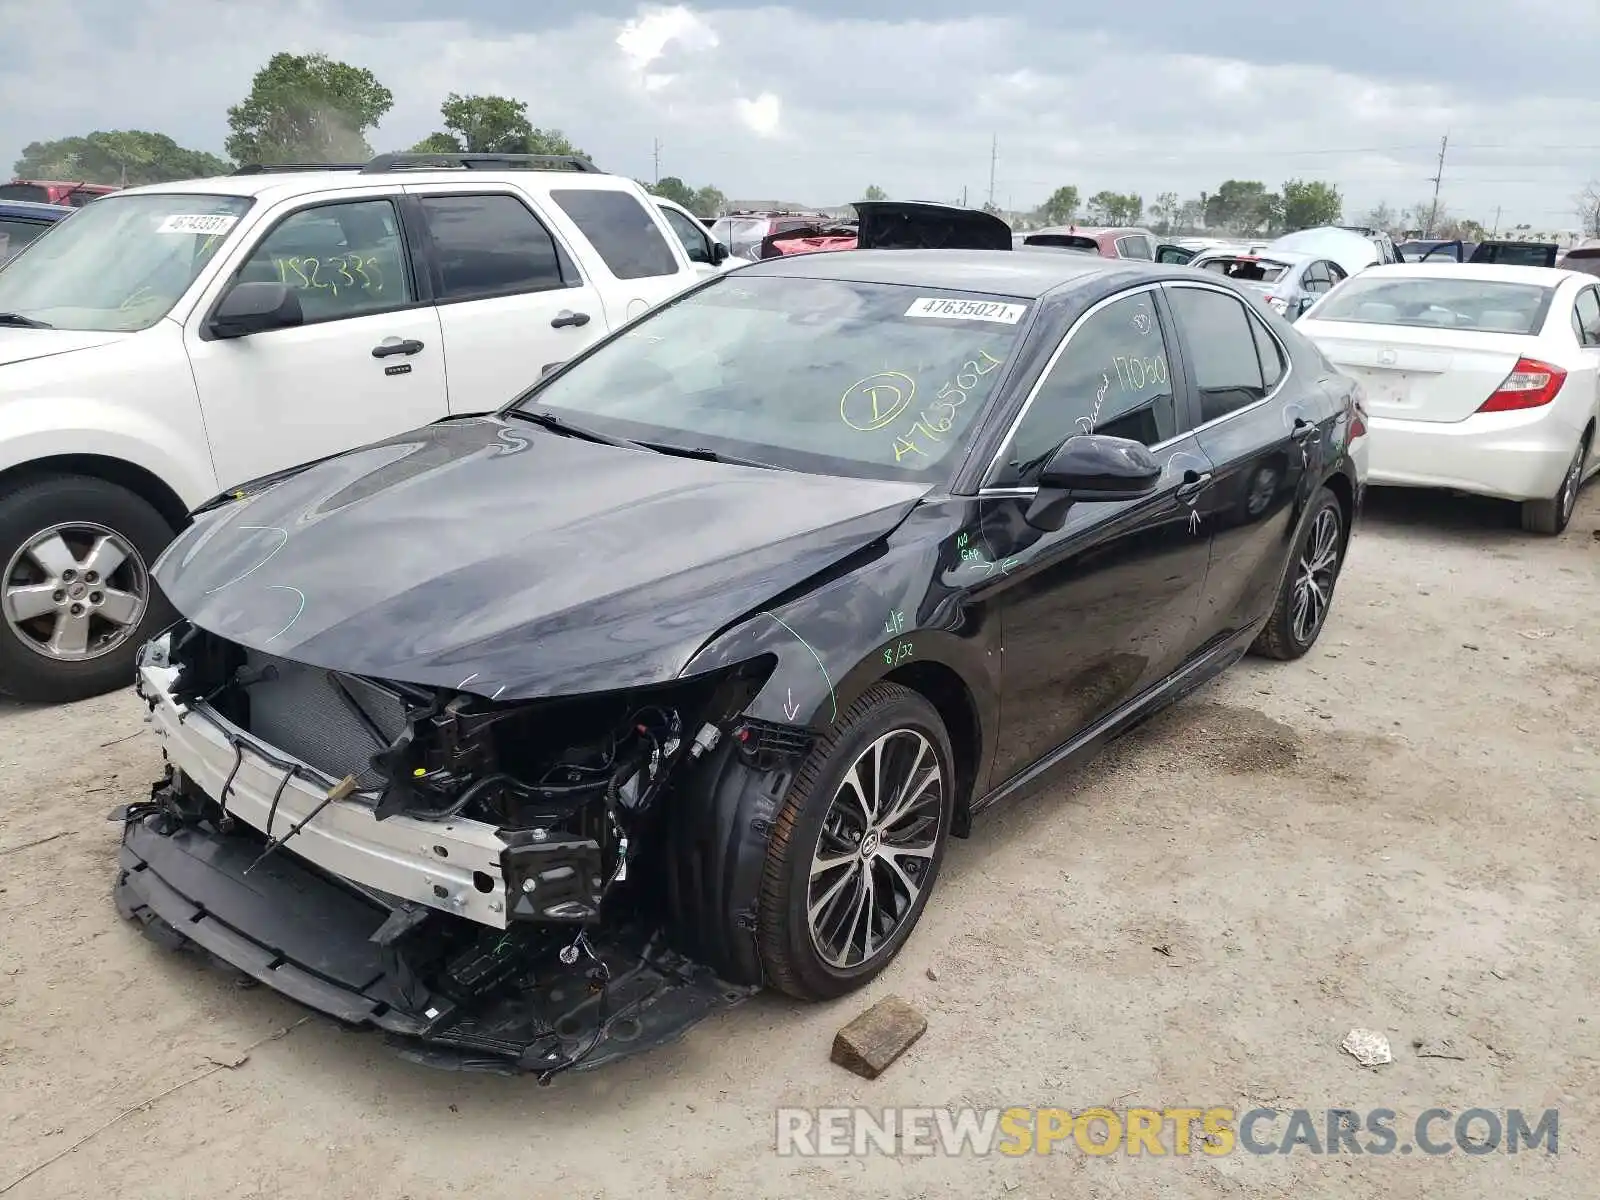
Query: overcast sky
{"x": 816, "y": 100}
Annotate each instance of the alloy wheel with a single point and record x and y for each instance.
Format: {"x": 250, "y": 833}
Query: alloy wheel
{"x": 74, "y": 591}
{"x": 1314, "y": 576}
{"x": 875, "y": 851}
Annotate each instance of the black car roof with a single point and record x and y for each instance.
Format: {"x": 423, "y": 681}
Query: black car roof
{"x": 998, "y": 272}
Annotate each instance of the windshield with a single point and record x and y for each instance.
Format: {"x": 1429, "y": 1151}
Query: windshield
{"x": 818, "y": 375}
{"x": 25, "y": 191}
{"x": 120, "y": 263}
{"x": 1475, "y": 304}
{"x": 741, "y": 235}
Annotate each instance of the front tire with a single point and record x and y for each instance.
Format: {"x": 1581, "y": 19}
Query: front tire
{"x": 1550, "y": 517}
{"x": 76, "y": 595}
{"x": 1306, "y": 593}
{"x": 857, "y": 846}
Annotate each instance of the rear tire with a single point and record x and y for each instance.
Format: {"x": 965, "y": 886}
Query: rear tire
{"x": 849, "y": 870}
{"x": 1305, "y": 597}
{"x": 59, "y": 537}
{"x": 1551, "y": 517}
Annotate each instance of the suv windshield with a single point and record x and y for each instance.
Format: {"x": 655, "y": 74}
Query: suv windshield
{"x": 1477, "y": 304}
{"x": 836, "y": 378}
{"x": 120, "y": 263}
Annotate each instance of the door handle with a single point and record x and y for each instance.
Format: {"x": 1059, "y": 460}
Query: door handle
{"x": 392, "y": 346}
{"x": 567, "y": 317}
{"x": 1194, "y": 482}
{"x": 1302, "y": 430}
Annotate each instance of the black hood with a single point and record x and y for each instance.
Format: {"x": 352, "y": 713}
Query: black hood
{"x": 920, "y": 225}
{"x": 495, "y": 557}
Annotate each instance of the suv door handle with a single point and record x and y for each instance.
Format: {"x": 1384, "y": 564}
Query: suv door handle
{"x": 392, "y": 346}
{"x": 1194, "y": 482}
{"x": 567, "y": 317}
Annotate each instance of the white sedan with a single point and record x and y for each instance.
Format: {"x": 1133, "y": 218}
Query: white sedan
{"x": 1478, "y": 378}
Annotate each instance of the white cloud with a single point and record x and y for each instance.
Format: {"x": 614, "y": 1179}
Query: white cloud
{"x": 778, "y": 102}
{"x": 760, "y": 115}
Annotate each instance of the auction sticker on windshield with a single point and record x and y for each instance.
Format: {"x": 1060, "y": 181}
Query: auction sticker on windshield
{"x": 967, "y": 310}
{"x": 197, "y": 223}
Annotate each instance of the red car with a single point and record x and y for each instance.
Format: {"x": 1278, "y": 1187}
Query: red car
{"x": 1111, "y": 242}
{"x": 54, "y": 191}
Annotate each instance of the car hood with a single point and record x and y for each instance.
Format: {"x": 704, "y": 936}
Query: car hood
{"x": 494, "y": 557}
{"x": 21, "y": 345}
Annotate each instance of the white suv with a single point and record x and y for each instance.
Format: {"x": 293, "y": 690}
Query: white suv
{"x": 172, "y": 341}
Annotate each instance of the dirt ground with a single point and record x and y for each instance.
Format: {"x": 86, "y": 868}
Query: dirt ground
{"x": 1399, "y": 832}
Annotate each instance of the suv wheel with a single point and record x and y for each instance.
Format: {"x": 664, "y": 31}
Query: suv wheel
{"x": 76, "y": 596}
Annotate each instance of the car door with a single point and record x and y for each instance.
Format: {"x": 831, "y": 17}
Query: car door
{"x": 1586, "y": 326}
{"x": 512, "y": 299}
{"x": 632, "y": 243}
{"x": 694, "y": 238}
{"x": 367, "y": 361}
{"x": 1256, "y": 423}
{"x": 1099, "y": 610}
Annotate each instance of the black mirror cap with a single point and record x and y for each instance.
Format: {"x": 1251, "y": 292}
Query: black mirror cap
{"x": 719, "y": 254}
{"x": 255, "y": 307}
{"x": 1096, "y": 466}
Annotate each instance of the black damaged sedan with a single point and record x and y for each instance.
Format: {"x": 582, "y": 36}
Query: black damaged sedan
{"x": 533, "y": 737}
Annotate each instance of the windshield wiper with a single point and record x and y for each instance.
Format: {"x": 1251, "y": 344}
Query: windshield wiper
{"x": 556, "y": 424}
{"x": 24, "y": 322}
{"x": 706, "y": 455}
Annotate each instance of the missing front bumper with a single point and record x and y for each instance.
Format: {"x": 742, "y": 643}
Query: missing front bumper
{"x": 294, "y": 929}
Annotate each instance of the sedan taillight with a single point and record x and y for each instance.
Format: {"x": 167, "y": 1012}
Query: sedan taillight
{"x": 1531, "y": 384}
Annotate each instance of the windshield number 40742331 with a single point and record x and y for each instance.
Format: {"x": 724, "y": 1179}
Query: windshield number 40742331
{"x": 943, "y": 415}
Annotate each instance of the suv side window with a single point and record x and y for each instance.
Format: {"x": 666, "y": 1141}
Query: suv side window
{"x": 691, "y": 233}
{"x": 620, "y": 229}
{"x": 1111, "y": 377}
{"x": 1221, "y": 349}
{"x": 1134, "y": 247}
{"x": 346, "y": 259}
{"x": 1586, "y": 317}
{"x": 490, "y": 245}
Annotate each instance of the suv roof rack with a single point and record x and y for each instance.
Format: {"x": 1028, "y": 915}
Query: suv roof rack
{"x": 471, "y": 162}
{"x": 285, "y": 168}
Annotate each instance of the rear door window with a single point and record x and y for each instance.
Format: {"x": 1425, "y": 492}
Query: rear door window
{"x": 491, "y": 245}
{"x": 626, "y": 237}
{"x": 1221, "y": 348}
{"x": 1586, "y": 317}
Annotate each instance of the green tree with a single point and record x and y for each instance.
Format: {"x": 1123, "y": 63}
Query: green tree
{"x": 708, "y": 202}
{"x": 1164, "y": 212}
{"x": 307, "y": 108}
{"x": 1114, "y": 208}
{"x": 674, "y": 189}
{"x": 1307, "y": 205}
{"x": 492, "y": 125}
{"x": 1382, "y": 217}
{"x": 438, "y": 143}
{"x": 874, "y": 192}
{"x": 1239, "y": 205}
{"x": 124, "y": 157}
{"x": 1061, "y": 207}
{"x": 1587, "y": 203}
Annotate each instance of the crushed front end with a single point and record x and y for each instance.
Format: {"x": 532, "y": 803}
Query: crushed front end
{"x": 488, "y": 883}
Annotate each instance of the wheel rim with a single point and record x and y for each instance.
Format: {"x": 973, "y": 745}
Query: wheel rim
{"x": 1314, "y": 576}
{"x": 74, "y": 591}
{"x": 1569, "y": 485}
{"x": 874, "y": 855}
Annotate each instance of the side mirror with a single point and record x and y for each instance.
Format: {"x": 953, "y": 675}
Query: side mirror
{"x": 254, "y": 308}
{"x": 1305, "y": 303}
{"x": 719, "y": 254}
{"x": 1094, "y": 467}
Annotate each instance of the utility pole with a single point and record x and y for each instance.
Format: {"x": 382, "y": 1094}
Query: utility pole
{"x": 994, "y": 157}
{"x": 1437, "y": 177}
{"x": 1496, "y": 230}
{"x": 658, "y": 159}
{"x": 963, "y": 195}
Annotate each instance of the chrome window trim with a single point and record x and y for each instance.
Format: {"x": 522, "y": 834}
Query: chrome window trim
{"x": 1066, "y": 339}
